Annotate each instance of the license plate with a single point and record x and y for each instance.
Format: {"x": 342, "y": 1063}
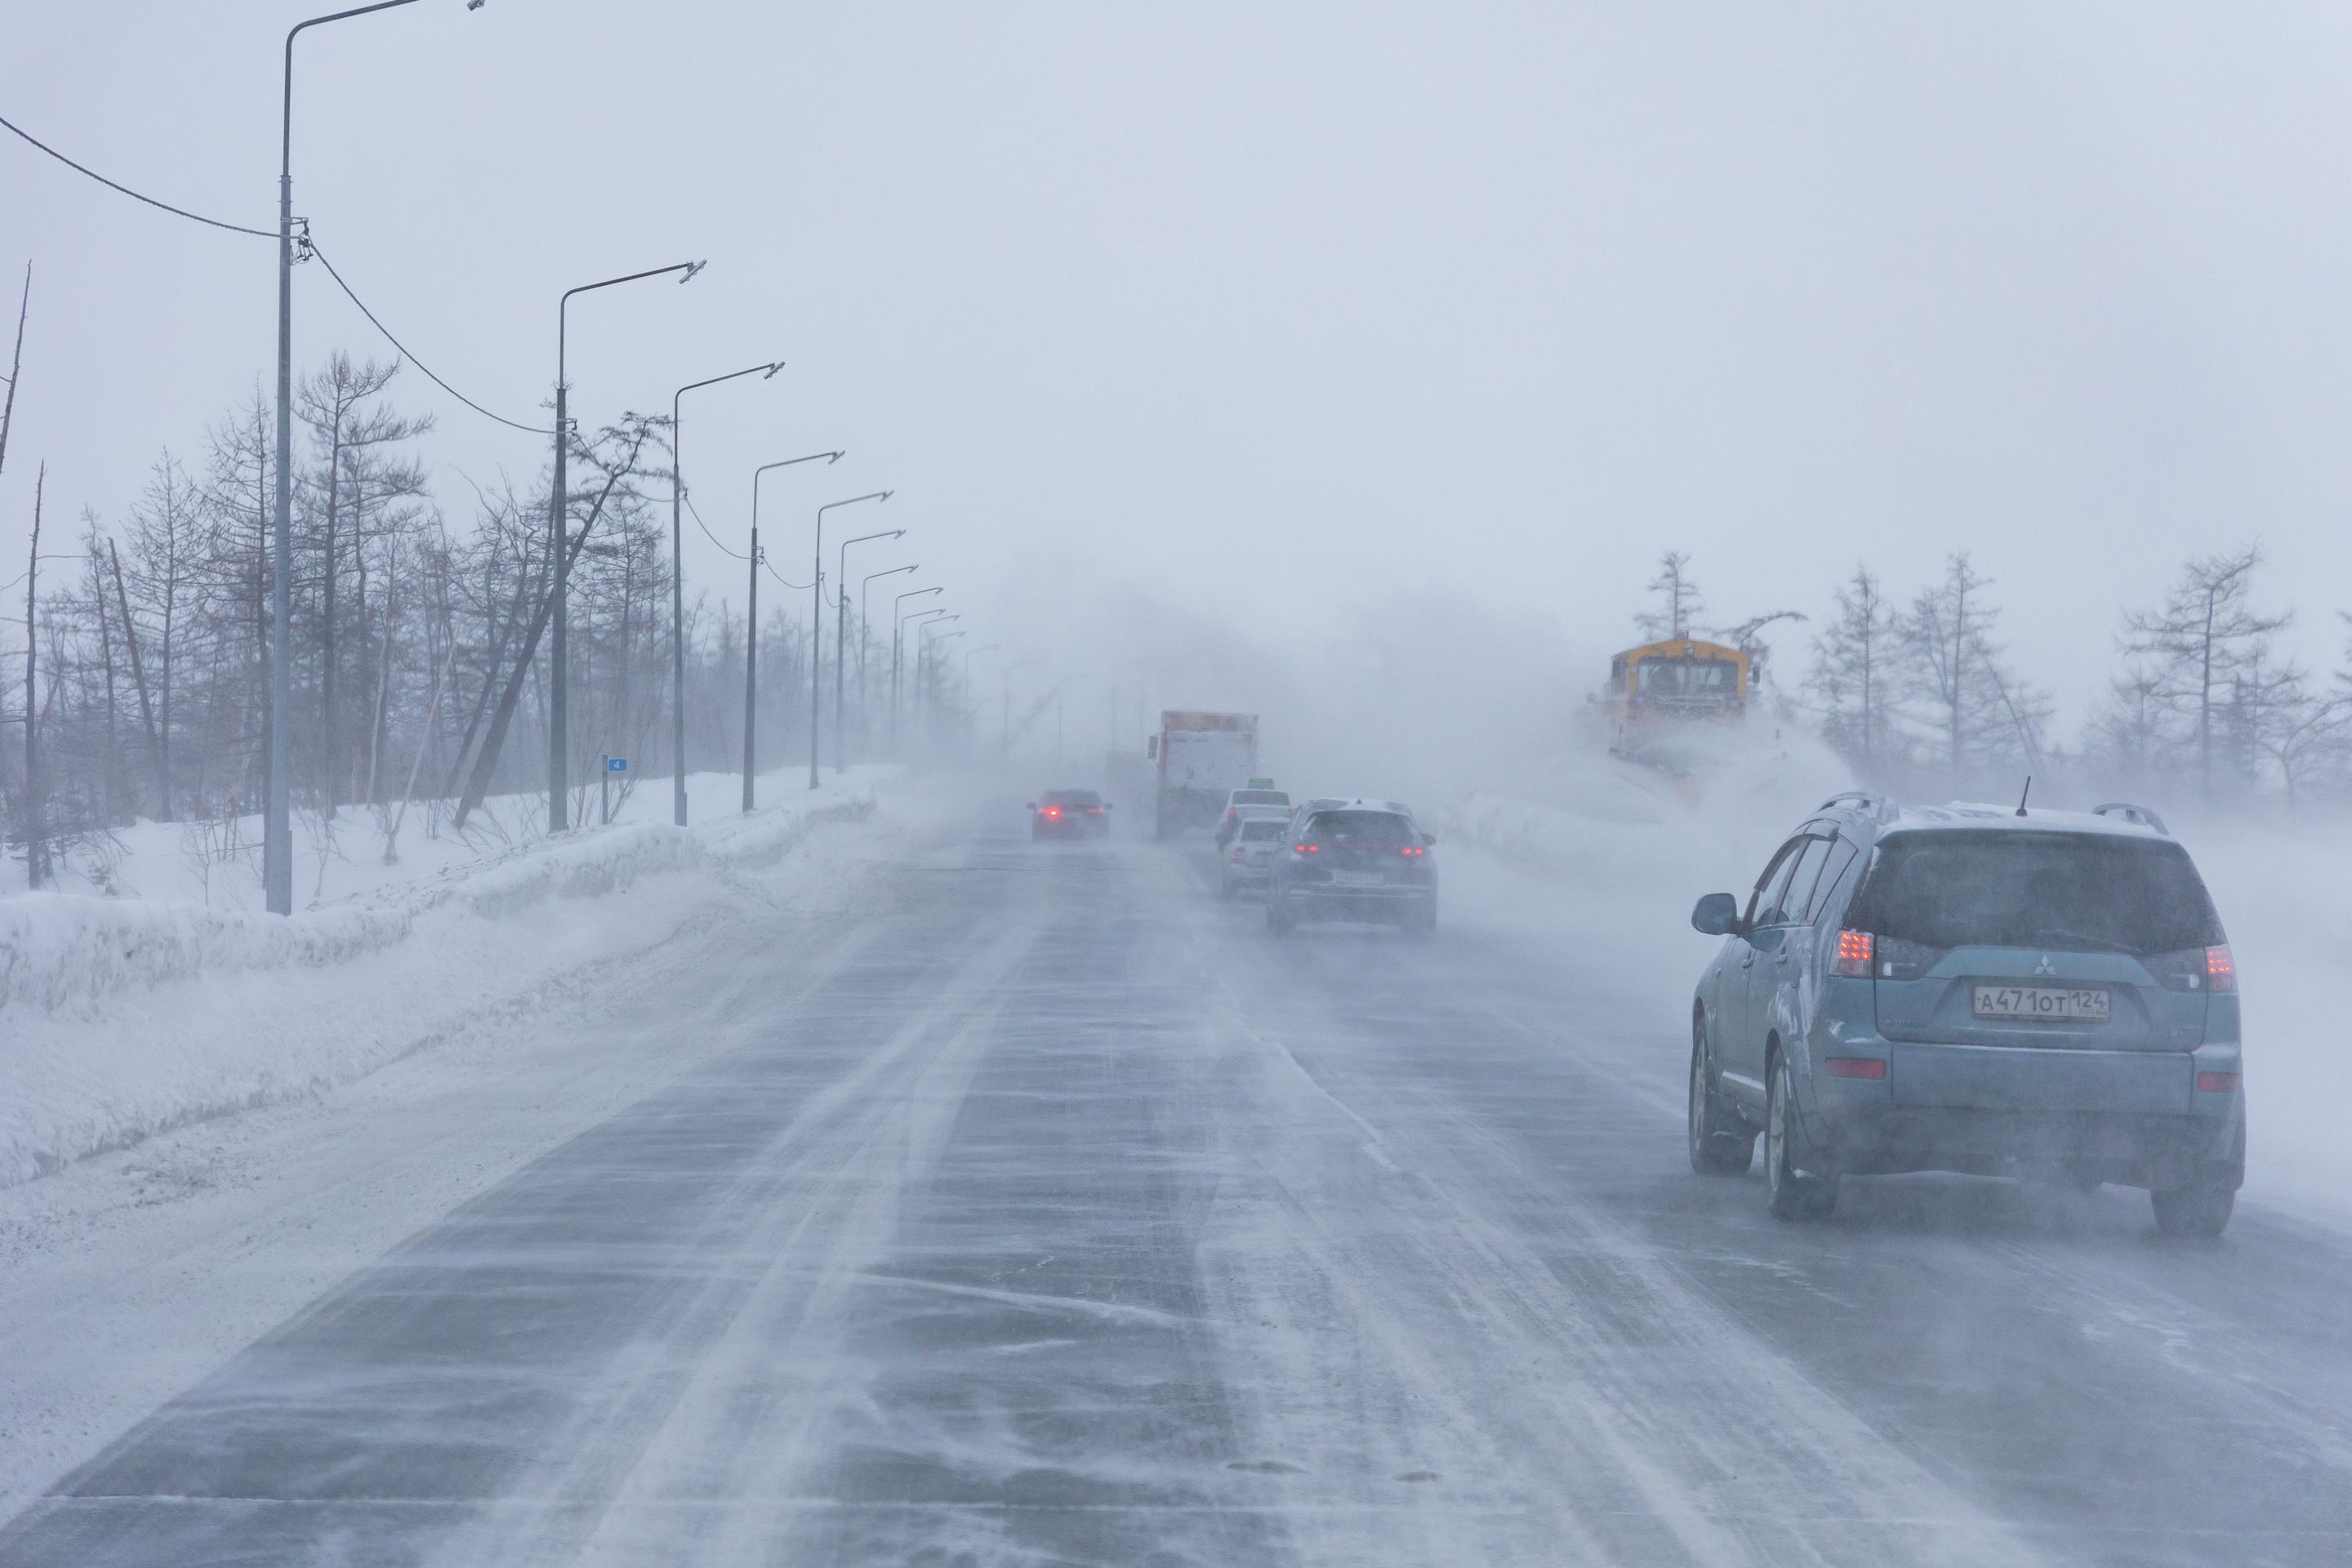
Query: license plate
{"x": 2077, "y": 1005}
{"x": 1358, "y": 880}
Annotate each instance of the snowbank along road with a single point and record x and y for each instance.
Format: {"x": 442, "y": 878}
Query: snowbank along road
{"x": 1056, "y": 1215}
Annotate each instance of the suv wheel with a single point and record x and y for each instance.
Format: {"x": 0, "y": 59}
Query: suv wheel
{"x": 2196, "y": 1213}
{"x": 1720, "y": 1144}
{"x": 1795, "y": 1194}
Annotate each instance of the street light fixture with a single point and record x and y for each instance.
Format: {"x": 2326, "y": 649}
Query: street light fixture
{"x": 898, "y": 641}
{"x": 751, "y": 626}
{"x": 559, "y": 712}
{"x": 816, "y": 618}
{"x": 677, "y": 582}
{"x": 278, "y": 808}
{"x": 841, "y": 644}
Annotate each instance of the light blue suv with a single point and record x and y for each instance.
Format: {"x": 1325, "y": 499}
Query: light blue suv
{"x": 2046, "y": 994}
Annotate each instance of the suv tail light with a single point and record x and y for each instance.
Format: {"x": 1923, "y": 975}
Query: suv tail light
{"x": 1854, "y": 951}
{"x": 2197, "y": 969}
{"x": 2216, "y": 1082}
{"x": 1411, "y": 850}
{"x": 1237, "y": 858}
{"x": 1306, "y": 848}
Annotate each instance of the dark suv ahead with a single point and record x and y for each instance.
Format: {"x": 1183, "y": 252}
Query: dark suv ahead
{"x": 1363, "y": 860}
{"x": 1973, "y": 989}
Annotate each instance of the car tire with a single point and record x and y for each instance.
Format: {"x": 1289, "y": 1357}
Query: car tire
{"x": 1794, "y": 1194}
{"x": 1720, "y": 1144}
{"x": 2197, "y": 1213}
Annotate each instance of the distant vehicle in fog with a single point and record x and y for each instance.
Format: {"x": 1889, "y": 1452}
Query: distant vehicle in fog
{"x": 1974, "y": 989}
{"x": 1199, "y": 759}
{"x": 1069, "y": 814}
{"x": 1359, "y": 861}
{"x": 1257, "y": 799}
{"x": 1242, "y": 866}
{"x": 1658, "y": 691}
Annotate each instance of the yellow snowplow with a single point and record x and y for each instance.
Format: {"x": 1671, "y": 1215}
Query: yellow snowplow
{"x": 1658, "y": 694}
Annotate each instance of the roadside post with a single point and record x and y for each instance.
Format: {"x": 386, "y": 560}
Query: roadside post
{"x": 605, "y": 785}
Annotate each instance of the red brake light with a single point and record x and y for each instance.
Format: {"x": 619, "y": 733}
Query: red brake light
{"x": 1052, "y": 811}
{"x": 1855, "y": 1067}
{"x": 1410, "y": 850}
{"x": 1305, "y": 849}
{"x": 2220, "y": 970}
{"x": 1237, "y": 858}
{"x": 1854, "y": 951}
{"x": 2217, "y": 1082}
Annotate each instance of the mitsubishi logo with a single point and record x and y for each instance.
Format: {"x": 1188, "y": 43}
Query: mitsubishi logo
{"x": 2045, "y": 966}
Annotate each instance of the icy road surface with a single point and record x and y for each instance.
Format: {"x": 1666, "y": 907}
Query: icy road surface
{"x": 1054, "y": 1214}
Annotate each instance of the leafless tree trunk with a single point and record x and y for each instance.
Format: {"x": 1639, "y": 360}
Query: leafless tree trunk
{"x": 139, "y": 680}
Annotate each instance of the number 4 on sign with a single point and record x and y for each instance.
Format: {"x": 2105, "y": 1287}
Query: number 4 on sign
{"x": 605, "y": 787}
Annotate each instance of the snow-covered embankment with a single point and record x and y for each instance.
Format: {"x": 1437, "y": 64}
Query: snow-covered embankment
{"x": 119, "y": 1019}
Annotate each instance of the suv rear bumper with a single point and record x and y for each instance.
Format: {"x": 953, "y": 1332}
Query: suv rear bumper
{"x": 1313, "y": 901}
{"x": 2156, "y": 1151}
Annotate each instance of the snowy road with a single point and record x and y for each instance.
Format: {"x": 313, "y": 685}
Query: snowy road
{"x": 1054, "y": 1214}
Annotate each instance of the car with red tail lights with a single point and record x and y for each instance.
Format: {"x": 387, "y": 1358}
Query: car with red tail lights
{"x": 1069, "y": 814}
{"x": 2043, "y": 994}
{"x": 1359, "y": 861}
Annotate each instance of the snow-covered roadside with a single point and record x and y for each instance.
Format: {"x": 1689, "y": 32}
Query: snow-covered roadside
{"x": 127, "y": 1276}
{"x": 119, "y": 1019}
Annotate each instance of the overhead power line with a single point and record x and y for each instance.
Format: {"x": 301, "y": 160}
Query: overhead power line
{"x": 309, "y": 245}
{"x": 409, "y": 355}
{"x": 706, "y": 529}
{"x": 135, "y": 196}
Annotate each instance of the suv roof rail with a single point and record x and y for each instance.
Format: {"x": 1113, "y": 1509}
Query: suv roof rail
{"x": 2141, "y": 815}
{"x": 1877, "y": 804}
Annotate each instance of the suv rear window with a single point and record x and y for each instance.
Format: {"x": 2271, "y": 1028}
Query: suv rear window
{"x": 1260, "y": 797}
{"x": 2070, "y": 891}
{"x": 1258, "y": 829}
{"x": 1071, "y": 797}
{"x": 1376, "y": 829}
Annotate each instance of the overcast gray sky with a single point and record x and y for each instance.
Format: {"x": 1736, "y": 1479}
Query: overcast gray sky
{"x": 1281, "y": 307}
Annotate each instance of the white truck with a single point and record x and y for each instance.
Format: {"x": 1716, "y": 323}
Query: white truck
{"x": 1199, "y": 759}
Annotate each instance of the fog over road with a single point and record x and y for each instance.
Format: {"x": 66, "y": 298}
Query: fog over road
{"x": 1052, "y": 1212}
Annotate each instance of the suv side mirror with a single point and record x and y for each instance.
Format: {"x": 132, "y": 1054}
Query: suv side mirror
{"x": 1428, "y": 839}
{"x": 1717, "y": 914}
{"x": 1033, "y": 806}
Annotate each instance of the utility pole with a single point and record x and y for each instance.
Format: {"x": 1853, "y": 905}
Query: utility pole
{"x": 841, "y": 646}
{"x": 678, "y": 583}
{"x": 816, "y": 623}
{"x": 558, "y": 689}
{"x": 751, "y": 655}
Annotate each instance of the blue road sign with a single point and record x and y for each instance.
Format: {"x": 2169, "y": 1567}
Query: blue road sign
{"x": 616, "y": 764}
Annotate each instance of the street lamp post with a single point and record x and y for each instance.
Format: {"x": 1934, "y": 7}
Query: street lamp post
{"x": 924, "y": 677}
{"x": 841, "y": 645}
{"x": 751, "y": 626}
{"x": 866, "y": 635}
{"x": 1007, "y": 672}
{"x": 968, "y": 702}
{"x": 897, "y": 642}
{"x": 278, "y": 806}
{"x": 678, "y": 584}
{"x": 559, "y": 713}
{"x": 816, "y": 620}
